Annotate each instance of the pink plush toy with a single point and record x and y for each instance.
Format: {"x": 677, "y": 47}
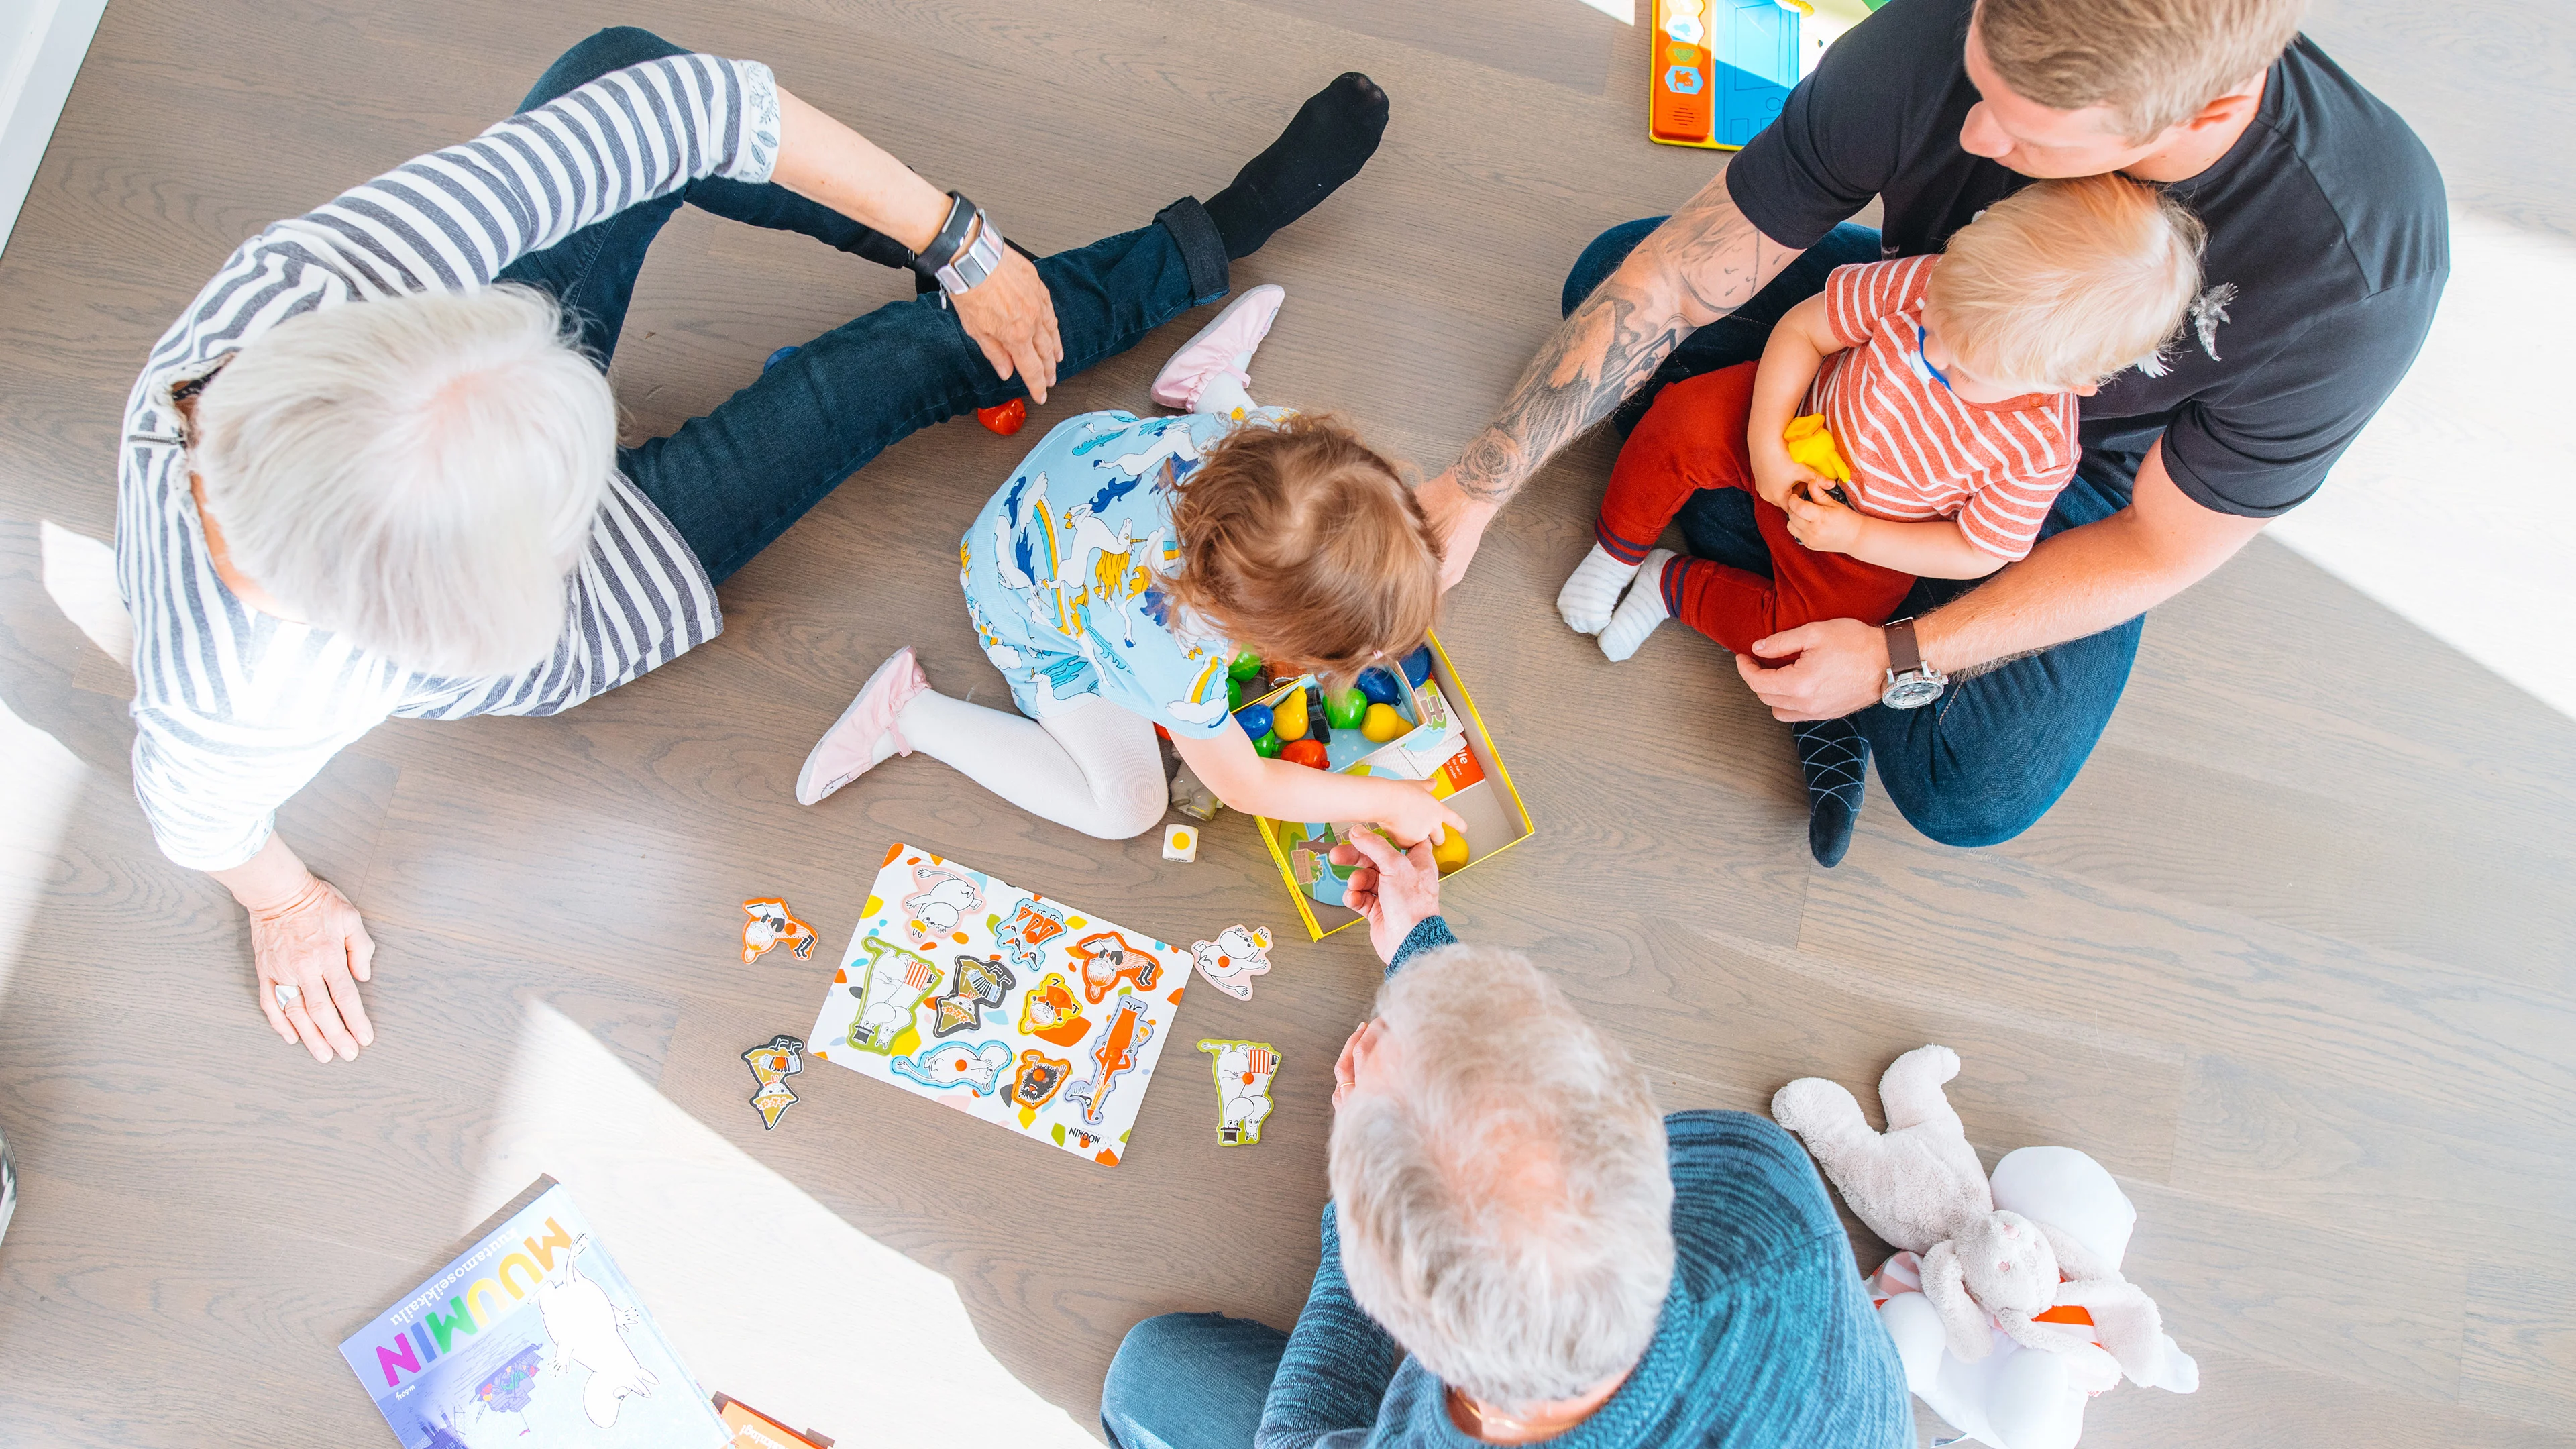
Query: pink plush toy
{"x": 2005, "y": 1299}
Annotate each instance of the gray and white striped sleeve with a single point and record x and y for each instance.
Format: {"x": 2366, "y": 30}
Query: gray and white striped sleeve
{"x": 451, "y": 220}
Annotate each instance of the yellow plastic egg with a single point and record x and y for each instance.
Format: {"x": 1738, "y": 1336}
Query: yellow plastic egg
{"x": 1382, "y": 723}
{"x": 1288, "y": 717}
{"x": 1450, "y": 851}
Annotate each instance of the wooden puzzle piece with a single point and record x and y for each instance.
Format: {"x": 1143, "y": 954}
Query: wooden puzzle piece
{"x": 771, "y": 1063}
{"x": 1106, "y": 956}
{"x": 1050, "y": 1013}
{"x": 1037, "y": 1079}
{"x": 895, "y": 981}
{"x": 1235, "y": 954}
{"x": 1114, "y": 1057}
{"x": 979, "y": 984}
{"x": 770, "y": 925}
{"x": 940, "y": 901}
{"x": 1243, "y": 1073}
{"x": 978, "y": 1068}
{"x": 1029, "y": 928}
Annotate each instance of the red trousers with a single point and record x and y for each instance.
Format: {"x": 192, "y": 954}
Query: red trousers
{"x": 1693, "y": 438}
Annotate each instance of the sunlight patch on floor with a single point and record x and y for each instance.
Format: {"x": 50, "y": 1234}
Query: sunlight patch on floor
{"x": 765, "y": 1293}
{"x": 37, "y": 791}
{"x": 2456, "y": 507}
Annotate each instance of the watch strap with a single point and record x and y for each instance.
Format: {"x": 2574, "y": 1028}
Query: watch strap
{"x": 1904, "y": 656}
{"x": 952, "y": 235}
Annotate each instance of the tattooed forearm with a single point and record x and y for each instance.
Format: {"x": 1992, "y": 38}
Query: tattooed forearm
{"x": 1702, "y": 263}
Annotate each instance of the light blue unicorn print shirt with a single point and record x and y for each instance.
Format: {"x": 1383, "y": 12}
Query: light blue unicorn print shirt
{"x": 1063, "y": 573}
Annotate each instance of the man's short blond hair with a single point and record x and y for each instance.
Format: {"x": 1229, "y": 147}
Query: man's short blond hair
{"x": 2065, "y": 283}
{"x": 2152, "y": 62}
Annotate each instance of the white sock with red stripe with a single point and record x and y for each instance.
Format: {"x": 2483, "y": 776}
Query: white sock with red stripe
{"x": 1593, "y": 591}
{"x": 1641, "y": 611}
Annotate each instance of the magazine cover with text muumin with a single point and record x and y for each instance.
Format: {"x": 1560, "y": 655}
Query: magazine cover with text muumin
{"x": 531, "y": 1338}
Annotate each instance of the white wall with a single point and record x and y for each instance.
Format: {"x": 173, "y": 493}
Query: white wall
{"x": 41, "y": 45}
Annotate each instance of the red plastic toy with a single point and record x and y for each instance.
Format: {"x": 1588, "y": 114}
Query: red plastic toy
{"x": 1005, "y": 419}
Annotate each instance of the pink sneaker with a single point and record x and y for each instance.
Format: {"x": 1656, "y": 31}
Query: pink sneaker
{"x": 1233, "y": 333}
{"x": 849, "y": 748}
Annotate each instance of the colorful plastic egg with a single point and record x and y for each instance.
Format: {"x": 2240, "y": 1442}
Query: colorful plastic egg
{"x": 1288, "y": 716}
{"x": 1379, "y": 686}
{"x": 1309, "y": 753}
{"x": 1266, "y": 745}
{"x": 1345, "y": 708}
{"x": 1450, "y": 851}
{"x": 1233, "y": 693}
{"x": 1417, "y": 665}
{"x": 1382, "y": 723}
{"x": 1246, "y": 666}
{"x": 1255, "y": 719}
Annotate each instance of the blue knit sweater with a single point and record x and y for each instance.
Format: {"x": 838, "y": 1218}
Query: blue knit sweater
{"x": 1767, "y": 1337}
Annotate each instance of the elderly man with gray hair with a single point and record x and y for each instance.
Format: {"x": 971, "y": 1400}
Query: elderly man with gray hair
{"x": 1521, "y": 1248}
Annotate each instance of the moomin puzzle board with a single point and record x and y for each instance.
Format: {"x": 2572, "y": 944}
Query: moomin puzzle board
{"x": 1026, "y": 1012}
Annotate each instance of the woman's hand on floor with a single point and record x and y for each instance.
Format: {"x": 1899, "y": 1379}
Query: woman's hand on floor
{"x": 305, "y": 934}
{"x": 1011, "y": 316}
{"x": 316, "y": 942}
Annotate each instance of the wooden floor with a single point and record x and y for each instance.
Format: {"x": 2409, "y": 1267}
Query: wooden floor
{"x": 2292, "y": 957}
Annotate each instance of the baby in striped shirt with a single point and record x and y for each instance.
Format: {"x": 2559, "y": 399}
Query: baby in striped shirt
{"x": 1916, "y": 418}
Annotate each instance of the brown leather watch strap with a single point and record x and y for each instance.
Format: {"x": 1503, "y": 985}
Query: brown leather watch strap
{"x": 1902, "y": 652}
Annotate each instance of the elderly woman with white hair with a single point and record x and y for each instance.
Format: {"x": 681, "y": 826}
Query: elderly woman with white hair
{"x": 330, "y": 514}
{"x": 1520, "y": 1248}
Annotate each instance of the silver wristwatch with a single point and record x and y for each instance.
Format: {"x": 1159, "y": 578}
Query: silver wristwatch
{"x": 1911, "y": 683}
{"x": 966, "y": 250}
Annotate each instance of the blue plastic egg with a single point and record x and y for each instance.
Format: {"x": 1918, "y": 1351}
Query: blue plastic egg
{"x": 1417, "y": 665}
{"x": 1379, "y": 686}
{"x": 1255, "y": 719}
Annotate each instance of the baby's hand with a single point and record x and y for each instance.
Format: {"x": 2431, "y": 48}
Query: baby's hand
{"x": 1778, "y": 477}
{"x": 1819, "y": 521}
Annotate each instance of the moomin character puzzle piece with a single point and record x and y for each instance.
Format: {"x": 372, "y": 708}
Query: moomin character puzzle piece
{"x": 1028, "y": 1013}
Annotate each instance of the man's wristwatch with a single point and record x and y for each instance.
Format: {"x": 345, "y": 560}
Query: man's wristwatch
{"x": 1911, "y": 683}
{"x": 966, "y": 251}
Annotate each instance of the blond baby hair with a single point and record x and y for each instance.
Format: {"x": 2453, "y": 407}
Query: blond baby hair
{"x": 2152, "y": 63}
{"x": 2066, "y": 283}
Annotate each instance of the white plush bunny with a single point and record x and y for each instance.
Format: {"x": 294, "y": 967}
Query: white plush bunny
{"x": 2006, "y": 1300}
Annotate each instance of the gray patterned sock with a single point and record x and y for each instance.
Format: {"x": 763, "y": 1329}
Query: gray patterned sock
{"x": 1834, "y": 756}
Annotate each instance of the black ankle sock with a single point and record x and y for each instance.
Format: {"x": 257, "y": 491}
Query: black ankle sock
{"x": 1834, "y": 756}
{"x": 1332, "y": 137}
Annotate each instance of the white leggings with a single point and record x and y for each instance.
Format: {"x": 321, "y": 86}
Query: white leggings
{"x": 1095, "y": 769}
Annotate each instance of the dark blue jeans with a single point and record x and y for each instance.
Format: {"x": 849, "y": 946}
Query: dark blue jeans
{"x": 1981, "y": 764}
{"x": 1190, "y": 1381}
{"x": 733, "y": 480}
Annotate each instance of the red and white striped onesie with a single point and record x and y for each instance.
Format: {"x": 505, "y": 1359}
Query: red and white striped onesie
{"x": 1916, "y": 452}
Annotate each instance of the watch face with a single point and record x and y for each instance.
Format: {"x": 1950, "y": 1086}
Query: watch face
{"x": 1911, "y": 691}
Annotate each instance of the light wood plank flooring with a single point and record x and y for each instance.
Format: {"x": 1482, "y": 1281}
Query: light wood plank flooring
{"x": 2291, "y": 958}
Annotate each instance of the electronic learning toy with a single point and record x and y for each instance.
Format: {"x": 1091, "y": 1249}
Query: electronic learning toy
{"x": 1719, "y": 69}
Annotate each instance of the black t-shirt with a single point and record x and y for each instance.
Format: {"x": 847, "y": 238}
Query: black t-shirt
{"x": 2328, "y": 247}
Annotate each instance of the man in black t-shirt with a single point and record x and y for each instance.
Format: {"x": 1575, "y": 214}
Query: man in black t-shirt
{"x": 2327, "y": 251}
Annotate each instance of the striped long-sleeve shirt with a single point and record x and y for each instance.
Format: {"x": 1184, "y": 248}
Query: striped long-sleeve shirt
{"x": 1916, "y": 450}
{"x": 234, "y": 709}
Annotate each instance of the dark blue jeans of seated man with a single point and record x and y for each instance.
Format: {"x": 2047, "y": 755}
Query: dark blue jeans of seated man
{"x": 1981, "y": 764}
{"x": 732, "y": 481}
